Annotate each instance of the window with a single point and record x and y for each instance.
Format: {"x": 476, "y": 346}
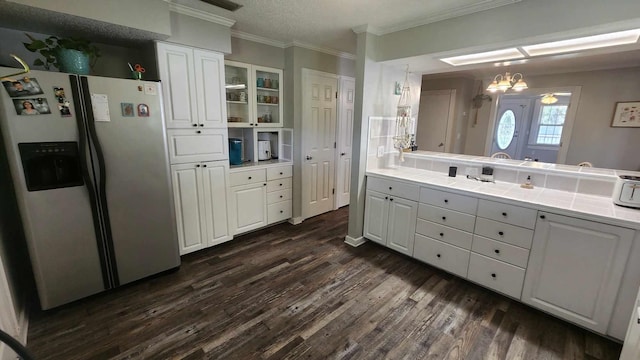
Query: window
{"x": 547, "y": 130}
{"x": 506, "y": 129}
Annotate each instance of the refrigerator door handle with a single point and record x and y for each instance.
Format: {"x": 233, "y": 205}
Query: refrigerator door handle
{"x": 85, "y": 151}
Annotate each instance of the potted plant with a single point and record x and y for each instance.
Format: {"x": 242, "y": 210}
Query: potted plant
{"x": 72, "y": 55}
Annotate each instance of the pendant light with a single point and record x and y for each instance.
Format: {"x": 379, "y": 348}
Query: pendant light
{"x": 402, "y": 138}
{"x": 508, "y": 81}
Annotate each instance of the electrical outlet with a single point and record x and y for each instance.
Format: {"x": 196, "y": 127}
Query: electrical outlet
{"x": 380, "y": 151}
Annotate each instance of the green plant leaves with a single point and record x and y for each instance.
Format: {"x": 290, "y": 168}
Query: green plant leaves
{"x": 49, "y": 47}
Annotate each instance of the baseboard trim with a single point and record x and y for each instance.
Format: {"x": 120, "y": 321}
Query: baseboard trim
{"x": 296, "y": 220}
{"x": 355, "y": 242}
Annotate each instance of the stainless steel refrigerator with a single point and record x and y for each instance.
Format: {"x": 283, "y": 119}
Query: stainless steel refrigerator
{"x": 90, "y": 169}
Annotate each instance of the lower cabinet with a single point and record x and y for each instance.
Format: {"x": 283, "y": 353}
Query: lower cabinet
{"x": 200, "y": 198}
{"x": 575, "y": 269}
{"x": 390, "y": 221}
{"x": 248, "y": 207}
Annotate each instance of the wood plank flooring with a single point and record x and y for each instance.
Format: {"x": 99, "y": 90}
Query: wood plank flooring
{"x": 293, "y": 292}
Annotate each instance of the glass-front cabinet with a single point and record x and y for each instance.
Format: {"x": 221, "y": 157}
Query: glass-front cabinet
{"x": 254, "y": 95}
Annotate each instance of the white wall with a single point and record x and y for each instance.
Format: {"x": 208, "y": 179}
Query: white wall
{"x": 191, "y": 31}
{"x": 251, "y": 52}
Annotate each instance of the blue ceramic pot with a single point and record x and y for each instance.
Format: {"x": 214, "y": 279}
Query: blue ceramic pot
{"x": 73, "y": 62}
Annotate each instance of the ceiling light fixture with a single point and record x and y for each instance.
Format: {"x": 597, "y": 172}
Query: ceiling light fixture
{"x": 584, "y": 43}
{"x": 549, "y": 99}
{"x": 484, "y": 57}
{"x": 508, "y": 81}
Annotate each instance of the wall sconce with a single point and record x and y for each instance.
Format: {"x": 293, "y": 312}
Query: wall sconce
{"x": 508, "y": 81}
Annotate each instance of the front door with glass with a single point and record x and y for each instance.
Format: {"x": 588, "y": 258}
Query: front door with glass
{"x": 509, "y": 124}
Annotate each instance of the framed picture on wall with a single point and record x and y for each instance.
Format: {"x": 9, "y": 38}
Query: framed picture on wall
{"x": 627, "y": 114}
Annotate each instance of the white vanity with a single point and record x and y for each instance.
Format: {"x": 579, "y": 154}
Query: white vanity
{"x": 562, "y": 247}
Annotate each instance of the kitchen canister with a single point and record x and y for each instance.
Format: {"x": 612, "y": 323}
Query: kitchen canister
{"x": 267, "y": 83}
{"x": 260, "y": 82}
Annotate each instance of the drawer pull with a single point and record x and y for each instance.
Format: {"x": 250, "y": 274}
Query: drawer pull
{"x": 391, "y": 199}
{"x": 201, "y": 125}
{"x": 280, "y": 172}
{"x": 501, "y": 233}
{"x": 195, "y": 125}
{"x": 198, "y": 165}
{"x": 281, "y": 196}
{"x": 205, "y": 165}
{"x": 504, "y": 214}
{"x": 265, "y": 184}
{"x": 390, "y": 188}
{"x": 441, "y": 234}
{"x": 497, "y": 251}
{"x": 249, "y": 177}
{"x": 444, "y": 218}
{"x": 493, "y": 275}
{"x": 542, "y": 217}
{"x": 386, "y": 198}
{"x": 438, "y": 255}
{"x": 446, "y": 201}
{"x": 281, "y": 211}
{"x": 280, "y": 184}
{"x": 198, "y": 132}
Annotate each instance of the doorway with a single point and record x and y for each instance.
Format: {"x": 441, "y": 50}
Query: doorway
{"x": 435, "y": 120}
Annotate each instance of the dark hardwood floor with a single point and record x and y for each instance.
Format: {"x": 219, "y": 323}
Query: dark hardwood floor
{"x": 291, "y": 292}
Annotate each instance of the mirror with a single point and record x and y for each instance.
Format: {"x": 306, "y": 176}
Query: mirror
{"x": 457, "y": 115}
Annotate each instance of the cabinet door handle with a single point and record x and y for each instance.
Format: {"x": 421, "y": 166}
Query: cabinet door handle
{"x": 309, "y": 157}
{"x": 198, "y": 132}
{"x": 493, "y": 275}
{"x": 391, "y": 199}
{"x": 201, "y": 125}
{"x": 542, "y": 217}
{"x": 386, "y": 198}
{"x": 281, "y": 173}
{"x": 249, "y": 177}
{"x": 343, "y": 154}
{"x": 497, "y": 251}
{"x": 390, "y": 188}
{"x": 281, "y": 196}
{"x": 194, "y": 125}
{"x": 205, "y": 165}
{"x": 501, "y": 233}
{"x": 444, "y": 218}
{"x": 504, "y": 214}
{"x": 280, "y": 184}
{"x": 441, "y": 234}
{"x": 438, "y": 255}
{"x": 446, "y": 201}
{"x": 281, "y": 211}
{"x": 265, "y": 184}
{"x": 197, "y": 165}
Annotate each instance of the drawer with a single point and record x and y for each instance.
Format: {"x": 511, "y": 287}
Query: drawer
{"x": 451, "y": 218}
{"x": 247, "y": 177}
{"x": 279, "y": 211}
{"x": 197, "y": 145}
{"x": 496, "y": 275}
{"x": 280, "y": 184}
{"x": 445, "y": 234}
{"x": 280, "y": 195}
{"x": 465, "y": 204}
{"x": 511, "y": 234}
{"x": 447, "y": 257}
{"x": 513, "y": 255}
{"x": 510, "y": 214}
{"x": 411, "y": 192}
{"x": 279, "y": 172}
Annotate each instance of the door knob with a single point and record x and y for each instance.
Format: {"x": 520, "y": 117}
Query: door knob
{"x": 309, "y": 157}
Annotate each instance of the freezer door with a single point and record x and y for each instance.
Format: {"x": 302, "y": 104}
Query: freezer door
{"x": 129, "y": 127}
{"x": 58, "y": 222}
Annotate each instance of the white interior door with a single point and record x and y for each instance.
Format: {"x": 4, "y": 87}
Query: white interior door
{"x": 435, "y": 120}
{"x": 318, "y": 142}
{"x": 510, "y": 129}
{"x": 346, "y": 99}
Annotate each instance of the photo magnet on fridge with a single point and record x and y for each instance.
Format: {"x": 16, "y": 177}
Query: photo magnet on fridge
{"x": 22, "y": 87}
{"x": 143, "y": 110}
{"x": 65, "y": 111}
{"x": 127, "y": 109}
{"x": 37, "y": 106}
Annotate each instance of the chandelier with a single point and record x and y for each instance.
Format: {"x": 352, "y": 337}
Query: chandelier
{"x": 508, "y": 81}
{"x": 549, "y": 99}
{"x": 402, "y": 138}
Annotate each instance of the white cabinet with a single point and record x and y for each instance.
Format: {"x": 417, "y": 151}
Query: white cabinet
{"x": 191, "y": 145}
{"x": 390, "y": 221}
{"x": 575, "y": 269}
{"x": 631, "y": 348}
{"x": 193, "y": 86}
{"x": 248, "y": 207}
{"x": 253, "y": 95}
{"x": 200, "y": 197}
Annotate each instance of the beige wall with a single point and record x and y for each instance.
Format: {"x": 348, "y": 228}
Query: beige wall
{"x": 593, "y": 139}
{"x": 251, "y": 52}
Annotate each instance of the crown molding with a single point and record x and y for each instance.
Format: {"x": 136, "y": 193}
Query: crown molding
{"x": 329, "y": 51}
{"x": 366, "y": 28}
{"x": 256, "y": 38}
{"x": 199, "y": 14}
{"x": 445, "y": 15}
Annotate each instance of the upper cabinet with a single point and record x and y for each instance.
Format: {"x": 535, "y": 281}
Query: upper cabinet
{"x": 193, "y": 86}
{"x": 254, "y": 95}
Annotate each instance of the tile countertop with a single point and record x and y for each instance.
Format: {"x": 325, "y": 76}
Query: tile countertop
{"x": 260, "y": 165}
{"x": 590, "y": 207}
